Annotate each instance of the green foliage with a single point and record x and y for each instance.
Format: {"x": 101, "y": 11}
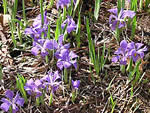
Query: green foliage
{"x": 119, "y": 5}
{"x": 65, "y": 75}
{"x": 97, "y": 60}
{"x": 70, "y": 9}
{"x": 23, "y": 11}
{"x": 147, "y": 3}
{"x": 134, "y": 23}
{"x": 20, "y": 83}
{"x": 73, "y": 96}
{"x": 58, "y": 28}
{"x": 102, "y": 58}
{"x": 78, "y": 31}
{"x": 14, "y": 12}
{"x": 97, "y": 8}
{"x": 48, "y": 33}
{"x": 134, "y": 5}
{"x": 5, "y": 6}
{"x": 12, "y": 24}
{"x": 135, "y": 71}
{"x": 141, "y": 4}
{"x": 112, "y": 103}
{"x": 90, "y": 42}
{"x": 64, "y": 13}
{"x": 41, "y": 11}
{"x": 51, "y": 98}
{"x": 51, "y": 3}
{"x": 117, "y": 33}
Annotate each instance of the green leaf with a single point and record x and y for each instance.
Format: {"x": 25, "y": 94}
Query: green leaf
{"x": 97, "y": 7}
{"x": 23, "y": 10}
{"x": 113, "y": 103}
{"x": 41, "y": 11}
{"x": 147, "y": 3}
{"x": 134, "y": 70}
{"x": 73, "y": 96}
{"x": 123, "y": 4}
{"x": 5, "y": 6}
{"x": 134, "y": 5}
{"x": 20, "y": 83}
{"x": 58, "y": 28}
{"x": 103, "y": 59}
{"x": 90, "y": 42}
{"x": 134, "y": 23}
{"x": 51, "y": 98}
{"x": 119, "y": 5}
{"x": 78, "y": 31}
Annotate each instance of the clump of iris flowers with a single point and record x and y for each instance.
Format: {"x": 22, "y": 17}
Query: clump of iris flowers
{"x": 52, "y": 81}
{"x": 43, "y": 45}
{"x": 33, "y": 88}
{"x": 127, "y": 51}
{"x": 66, "y": 58}
{"x": 117, "y": 20}
{"x": 36, "y": 30}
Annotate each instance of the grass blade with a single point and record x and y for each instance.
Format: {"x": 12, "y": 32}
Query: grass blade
{"x": 23, "y": 11}
{"x": 41, "y": 11}
{"x": 134, "y": 23}
{"x": 5, "y": 6}
{"x": 90, "y": 42}
{"x": 97, "y": 7}
{"x": 20, "y": 83}
{"x": 78, "y": 31}
{"x": 58, "y": 28}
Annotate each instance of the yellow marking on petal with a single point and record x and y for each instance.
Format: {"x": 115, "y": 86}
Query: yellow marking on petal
{"x": 135, "y": 54}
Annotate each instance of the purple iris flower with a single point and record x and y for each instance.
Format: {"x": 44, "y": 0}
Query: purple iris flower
{"x": 37, "y": 28}
{"x": 10, "y": 101}
{"x": 76, "y": 84}
{"x": 43, "y": 45}
{"x": 63, "y": 3}
{"x": 52, "y": 80}
{"x": 33, "y": 87}
{"x": 136, "y": 51}
{"x": 66, "y": 59}
{"x": 129, "y": 50}
{"x": 59, "y": 46}
{"x": 118, "y": 20}
{"x": 70, "y": 24}
{"x": 121, "y": 53}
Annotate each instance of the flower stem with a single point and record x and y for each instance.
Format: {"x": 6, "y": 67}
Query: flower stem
{"x": 37, "y": 101}
{"x": 122, "y": 69}
{"x": 64, "y": 13}
{"x": 65, "y": 75}
{"x": 51, "y": 98}
{"x": 73, "y": 95}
